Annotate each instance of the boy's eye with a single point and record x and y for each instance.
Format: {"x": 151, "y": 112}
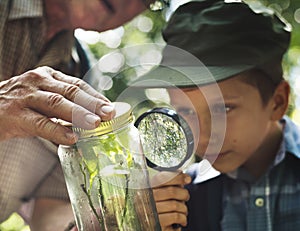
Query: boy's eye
{"x": 221, "y": 108}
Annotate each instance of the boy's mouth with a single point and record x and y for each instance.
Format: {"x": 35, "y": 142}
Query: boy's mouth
{"x": 213, "y": 157}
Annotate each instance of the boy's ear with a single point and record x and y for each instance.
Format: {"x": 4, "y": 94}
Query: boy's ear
{"x": 280, "y": 100}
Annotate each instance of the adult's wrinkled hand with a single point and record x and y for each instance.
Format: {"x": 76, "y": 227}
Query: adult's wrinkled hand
{"x": 29, "y": 101}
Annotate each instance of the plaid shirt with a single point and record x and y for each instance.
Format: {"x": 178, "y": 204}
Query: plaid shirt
{"x": 22, "y": 44}
{"x": 29, "y": 167}
{"x": 271, "y": 203}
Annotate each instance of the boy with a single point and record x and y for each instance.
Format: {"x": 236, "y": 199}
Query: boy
{"x": 257, "y": 151}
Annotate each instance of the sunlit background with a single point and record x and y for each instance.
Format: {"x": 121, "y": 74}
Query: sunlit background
{"x": 146, "y": 28}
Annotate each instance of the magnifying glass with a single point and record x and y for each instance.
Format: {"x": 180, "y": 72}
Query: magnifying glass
{"x": 166, "y": 138}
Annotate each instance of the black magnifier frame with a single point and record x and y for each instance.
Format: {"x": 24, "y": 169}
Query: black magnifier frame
{"x": 182, "y": 124}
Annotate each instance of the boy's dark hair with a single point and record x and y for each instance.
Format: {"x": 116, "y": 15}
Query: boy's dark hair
{"x": 265, "y": 84}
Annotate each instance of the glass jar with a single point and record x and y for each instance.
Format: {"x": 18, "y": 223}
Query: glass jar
{"x": 107, "y": 177}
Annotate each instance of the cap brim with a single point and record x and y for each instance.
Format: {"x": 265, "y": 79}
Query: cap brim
{"x": 166, "y": 77}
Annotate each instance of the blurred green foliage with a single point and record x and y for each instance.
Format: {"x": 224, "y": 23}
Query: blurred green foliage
{"x": 132, "y": 36}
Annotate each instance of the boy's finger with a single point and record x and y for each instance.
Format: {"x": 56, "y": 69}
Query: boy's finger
{"x": 168, "y": 219}
{"x": 170, "y": 178}
{"x": 171, "y": 193}
{"x": 171, "y": 206}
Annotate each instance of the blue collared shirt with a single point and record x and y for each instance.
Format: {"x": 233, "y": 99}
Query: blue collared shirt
{"x": 272, "y": 202}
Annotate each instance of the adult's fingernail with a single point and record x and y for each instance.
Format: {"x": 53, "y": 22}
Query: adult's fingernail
{"x": 107, "y": 109}
{"x": 72, "y": 137}
{"x": 92, "y": 119}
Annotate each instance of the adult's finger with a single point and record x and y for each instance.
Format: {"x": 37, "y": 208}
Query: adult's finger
{"x": 55, "y": 105}
{"x": 73, "y": 89}
{"x": 80, "y": 83}
{"x": 35, "y": 124}
{"x": 47, "y": 72}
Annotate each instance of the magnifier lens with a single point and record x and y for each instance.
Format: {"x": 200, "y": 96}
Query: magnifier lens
{"x": 164, "y": 142}
{"x": 167, "y": 144}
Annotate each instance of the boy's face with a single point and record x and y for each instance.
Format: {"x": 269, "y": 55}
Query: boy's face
{"x": 247, "y": 121}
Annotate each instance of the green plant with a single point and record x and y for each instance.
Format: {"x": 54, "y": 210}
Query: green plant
{"x": 14, "y": 223}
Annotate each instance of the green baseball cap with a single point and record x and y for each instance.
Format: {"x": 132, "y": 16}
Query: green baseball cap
{"x": 211, "y": 40}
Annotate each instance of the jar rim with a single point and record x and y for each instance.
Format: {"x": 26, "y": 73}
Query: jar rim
{"x": 122, "y": 118}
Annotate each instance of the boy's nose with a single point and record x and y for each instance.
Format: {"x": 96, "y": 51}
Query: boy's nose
{"x": 211, "y": 135}
{"x": 204, "y": 133}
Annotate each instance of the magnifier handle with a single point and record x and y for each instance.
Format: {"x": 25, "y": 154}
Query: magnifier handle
{"x": 176, "y": 226}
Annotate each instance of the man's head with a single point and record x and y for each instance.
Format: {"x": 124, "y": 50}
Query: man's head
{"x": 102, "y": 15}
{"x": 98, "y": 15}
{"x": 241, "y": 53}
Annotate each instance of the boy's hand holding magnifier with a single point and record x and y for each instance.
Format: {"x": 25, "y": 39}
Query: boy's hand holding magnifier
{"x": 168, "y": 145}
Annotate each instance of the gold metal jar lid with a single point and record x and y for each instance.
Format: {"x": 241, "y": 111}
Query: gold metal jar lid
{"x": 122, "y": 118}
